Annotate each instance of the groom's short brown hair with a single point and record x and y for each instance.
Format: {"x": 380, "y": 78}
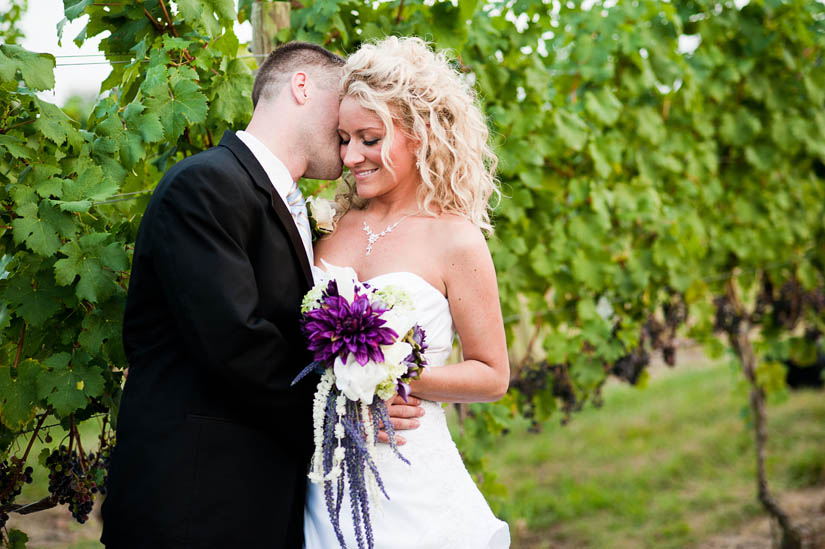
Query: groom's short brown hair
{"x": 282, "y": 63}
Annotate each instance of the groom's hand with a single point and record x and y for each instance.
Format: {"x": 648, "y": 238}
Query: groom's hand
{"x": 403, "y": 416}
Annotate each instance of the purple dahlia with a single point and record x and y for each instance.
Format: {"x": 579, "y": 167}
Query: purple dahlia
{"x": 338, "y": 328}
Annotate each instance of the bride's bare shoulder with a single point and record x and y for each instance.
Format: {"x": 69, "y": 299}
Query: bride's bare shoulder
{"x": 456, "y": 234}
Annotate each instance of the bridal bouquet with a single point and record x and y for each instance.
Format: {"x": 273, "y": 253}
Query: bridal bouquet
{"x": 368, "y": 346}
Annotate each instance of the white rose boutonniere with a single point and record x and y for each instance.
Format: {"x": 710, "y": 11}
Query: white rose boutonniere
{"x": 321, "y": 216}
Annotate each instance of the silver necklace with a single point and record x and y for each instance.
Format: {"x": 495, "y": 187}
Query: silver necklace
{"x": 372, "y": 237}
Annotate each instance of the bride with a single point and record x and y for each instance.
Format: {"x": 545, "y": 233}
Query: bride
{"x": 414, "y": 215}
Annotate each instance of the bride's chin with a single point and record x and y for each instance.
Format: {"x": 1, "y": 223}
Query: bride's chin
{"x": 366, "y": 191}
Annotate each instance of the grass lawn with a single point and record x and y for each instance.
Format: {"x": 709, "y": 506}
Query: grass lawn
{"x": 664, "y": 466}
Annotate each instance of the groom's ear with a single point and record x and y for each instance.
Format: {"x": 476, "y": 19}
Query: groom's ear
{"x": 299, "y": 87}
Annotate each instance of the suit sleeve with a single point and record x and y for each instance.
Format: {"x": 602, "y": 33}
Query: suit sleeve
{"x": 200, "y": 230}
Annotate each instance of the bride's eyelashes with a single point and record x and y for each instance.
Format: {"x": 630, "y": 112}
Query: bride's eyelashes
{"x": 367, "y": 142}
{"x": 345, "y": 139}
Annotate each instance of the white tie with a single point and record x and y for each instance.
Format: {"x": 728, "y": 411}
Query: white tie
{"x": 298, "y": 209}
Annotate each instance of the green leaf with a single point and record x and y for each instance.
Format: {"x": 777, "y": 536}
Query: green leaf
{"x": 572, "y": 129}
{"x": 15, "y": 147}
{"x": 739, "y": 128}
{"x": 36, "y": 69}
{"x": 56, "y": 125}
{"x": 600, "y": 161}
{"x": 178, "y": 103}
{"x": 17, "y": 539}
{"x": 141, "y": 129}
{"x": 35, "y": 299}
{"x": 175, "y": 43}
{"x": 587, "y": 270}
{"x": 227, "y": 44}
{"x": 203, "y": 13}
{"x": 36, "y": 231}
{"x": 541, "y": 261}
{"x": 650, "y": 125}
{"x": 147, "y": 125}
{"x": 103, "y": 324}
{"x": 90, "y": 186}
{"x": 232, "y": 96}
{"x": 75, "y": 8}
{"x": 18, "y": 391}
{"x": 68, "y": 383}
{"x": 244, "y": 10}
{"x": 467, "y": 8}
{"x": 93, "y": 263}
{"x": 603, "y": 105}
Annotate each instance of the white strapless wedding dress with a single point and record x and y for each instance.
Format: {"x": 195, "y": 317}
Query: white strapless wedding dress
{"x": 434, "y": 503}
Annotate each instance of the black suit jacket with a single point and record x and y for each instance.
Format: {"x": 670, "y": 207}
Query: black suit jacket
{"x": 212, "y": 442}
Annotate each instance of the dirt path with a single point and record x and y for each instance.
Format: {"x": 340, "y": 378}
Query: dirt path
{"x": 57, "y": 529}
{"x": 806, "y": 507}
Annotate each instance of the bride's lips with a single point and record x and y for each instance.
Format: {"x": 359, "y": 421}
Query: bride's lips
{"x": 361, "y": 174}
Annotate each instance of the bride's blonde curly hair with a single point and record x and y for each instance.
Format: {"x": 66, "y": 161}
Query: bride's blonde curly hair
{"x": 404, "y": 80}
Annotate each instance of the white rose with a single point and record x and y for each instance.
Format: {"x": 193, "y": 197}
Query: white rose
{"x": 345, "y": 277}
{"x": 395, "y": 353}
{"x": 323, "y": 212}
{"x": 358, "y": 382}
{"x": 399, "y": 321}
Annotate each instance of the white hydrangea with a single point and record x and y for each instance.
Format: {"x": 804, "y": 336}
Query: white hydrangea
{"x": 387, "y": 388}
{"x": 312, "y": 299}
{"x": 394, "y": 297}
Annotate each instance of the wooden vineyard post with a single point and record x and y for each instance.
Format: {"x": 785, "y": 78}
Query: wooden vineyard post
{"x": 267, "y": 19}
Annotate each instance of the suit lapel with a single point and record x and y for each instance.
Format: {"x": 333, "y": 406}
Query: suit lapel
{"x": 256, "y": 171}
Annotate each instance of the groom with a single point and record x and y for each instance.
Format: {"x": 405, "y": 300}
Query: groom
{"x": 212, "y": 442}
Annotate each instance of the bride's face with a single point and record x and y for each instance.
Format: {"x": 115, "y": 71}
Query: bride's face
{"x": 362, "y": 133}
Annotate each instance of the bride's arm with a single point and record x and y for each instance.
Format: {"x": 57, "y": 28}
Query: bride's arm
{"x": 472, "y": 290}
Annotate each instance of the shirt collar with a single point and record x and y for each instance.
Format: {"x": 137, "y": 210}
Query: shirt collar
{"x": 276, "y": 170}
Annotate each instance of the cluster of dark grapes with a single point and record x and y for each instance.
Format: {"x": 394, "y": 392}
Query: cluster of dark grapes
{"x": 73, "y": 483}
{"x": 12, "y": 479}
{"x": 656, "y": 334}
{"x": 631, "y": 366}
{"x": 791, "y": 302}
{"x": 535, "y": 378}
{"x": 728, "y": 317}
{"x": 783, "y": 308}
{"x": 810, "y": 374}
{"x": 563, "y": 389}
{"x": 532, "y": 379}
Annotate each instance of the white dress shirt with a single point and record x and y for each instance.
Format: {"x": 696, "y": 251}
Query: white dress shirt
{"x": 278, "y": 175}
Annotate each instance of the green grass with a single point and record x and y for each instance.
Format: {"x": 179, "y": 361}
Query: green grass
{"x": 663, "y": 466}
